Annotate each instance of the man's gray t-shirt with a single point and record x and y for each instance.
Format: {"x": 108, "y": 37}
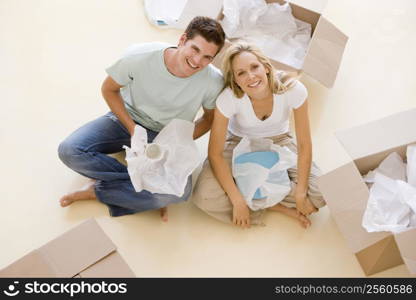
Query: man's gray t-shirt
{"x": 153, "y": 96}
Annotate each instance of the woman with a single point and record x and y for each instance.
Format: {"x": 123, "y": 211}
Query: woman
{"x": 257, "y": 102}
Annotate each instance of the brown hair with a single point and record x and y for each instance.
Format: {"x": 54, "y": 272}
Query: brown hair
{"x": 208, "y": 28}
{"x": 279, "y": 81}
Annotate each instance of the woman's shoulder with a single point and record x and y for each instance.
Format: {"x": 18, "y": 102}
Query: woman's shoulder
{"x": 296, "y": 88}
{"x": 227, "y": 92}
{"x": 226, "y": 102}
{"x": 227, "y": 96}
{"x": 299, "y": 86}
{"x": 296, "y": 94}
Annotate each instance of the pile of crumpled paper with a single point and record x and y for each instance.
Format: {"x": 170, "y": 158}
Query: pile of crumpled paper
{"x": 392, "y": 202}
{"x": 259, "y": 168}
{"x": 269, "y": 26}
{"x": 164, "y": 165}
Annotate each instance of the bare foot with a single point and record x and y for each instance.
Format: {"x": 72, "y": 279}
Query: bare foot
{"x": 292, "y": 212}
{"x": 303, "y": 220}
{"x": 309, "y": 205}
{"x": 85, "y": 193}
{"x": 164, "y": 214}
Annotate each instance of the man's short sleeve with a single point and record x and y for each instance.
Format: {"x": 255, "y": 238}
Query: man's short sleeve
{"x": 226, "y": 103}
{"x": 120, "y": 71}
{"x": 297, "y": 95}
{"x": 215, "y": 88}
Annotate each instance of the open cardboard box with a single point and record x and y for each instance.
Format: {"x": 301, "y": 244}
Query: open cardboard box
{"x": 346, "y": 192}
{"x": 84, "y": 251}
{"x": 325, "y": 50}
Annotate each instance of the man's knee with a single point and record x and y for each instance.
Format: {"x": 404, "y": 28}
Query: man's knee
{"x": 67, "y": 151}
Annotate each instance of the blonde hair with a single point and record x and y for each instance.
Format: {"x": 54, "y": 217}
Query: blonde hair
{"x": 279, "y": 83}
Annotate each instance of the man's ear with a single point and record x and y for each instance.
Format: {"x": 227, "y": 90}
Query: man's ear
{"x": 182, "y": 39}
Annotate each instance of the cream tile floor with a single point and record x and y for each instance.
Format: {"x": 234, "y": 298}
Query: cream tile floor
{"x": 53, "y": 55}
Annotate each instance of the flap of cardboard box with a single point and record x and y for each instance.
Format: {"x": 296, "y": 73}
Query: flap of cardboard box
{"x": 112, "y": 266}
{"x": 66, "y": 255}
{"x": 78, "y": 248}
{"x": 33, "y": 264}
{"x": 325, "y": 52}
{"x": 380, "y": 256}
{"x": 378, "y": 136}
{"x": 305, "y": 15}
{"x": 346, "y": 195}
{"x": 406, "y": 241}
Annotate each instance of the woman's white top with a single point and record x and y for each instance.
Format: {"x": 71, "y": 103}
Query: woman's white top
{"x": 244, "y": 122}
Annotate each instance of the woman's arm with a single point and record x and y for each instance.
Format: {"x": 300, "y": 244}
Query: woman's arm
{"x": 222, "y": 171}
{"x": 304, "y": 144}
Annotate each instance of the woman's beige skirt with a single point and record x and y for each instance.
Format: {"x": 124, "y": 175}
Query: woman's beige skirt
{"x": 209, "y": 196}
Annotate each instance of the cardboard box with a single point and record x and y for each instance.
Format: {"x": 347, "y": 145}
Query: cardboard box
{"x": 347, "y": 194}
{"x": 194, "y": 8}
{"x": 84, "y": 251}
{"x": 325, "y": 49}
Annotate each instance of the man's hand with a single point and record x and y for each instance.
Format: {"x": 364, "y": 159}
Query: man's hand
{"x": 131, "y": 129}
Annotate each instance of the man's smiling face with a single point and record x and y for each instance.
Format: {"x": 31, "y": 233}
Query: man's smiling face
{"x": 194, "y": 54}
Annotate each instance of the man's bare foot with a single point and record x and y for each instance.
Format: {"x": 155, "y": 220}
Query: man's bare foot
{"x": 292, "y": 212}
{"x": 164, "y": 214}
{"x": 85, "y": 193}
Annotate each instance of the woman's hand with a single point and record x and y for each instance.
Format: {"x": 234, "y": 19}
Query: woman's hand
{"x": 304, "y": 205}
{"x": 241, "y": 214}
{"x": 222, "y": 170}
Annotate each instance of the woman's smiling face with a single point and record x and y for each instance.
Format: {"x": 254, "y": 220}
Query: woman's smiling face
{"x": 250, "y": 75}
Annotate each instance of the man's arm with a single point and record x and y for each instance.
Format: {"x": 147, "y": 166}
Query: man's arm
{"x": 111, "y": 93}
{"x": 203, "y": 124}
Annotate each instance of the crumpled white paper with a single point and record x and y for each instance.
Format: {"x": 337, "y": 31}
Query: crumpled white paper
{"x": 164, "y": 165}
{"x": 392, "y": 166}
{"x": 411, "y": 163}
{"x": 387, "y": 207}
{"x": 274, "y": 182}
{"x": 240, "y": 16}
{"x": 392, "y": 202}
{"x": 270, "y": 26}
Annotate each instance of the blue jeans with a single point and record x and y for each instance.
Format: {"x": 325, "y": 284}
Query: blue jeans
{"x": 85, "y": 151}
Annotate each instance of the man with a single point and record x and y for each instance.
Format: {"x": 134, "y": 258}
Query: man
{"x": 151, "y": 85}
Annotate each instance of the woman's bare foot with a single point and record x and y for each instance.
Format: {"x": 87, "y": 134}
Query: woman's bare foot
{"x": 311, "y": 208}
{"x": 164, "y": 214}
{"x": 292, "y": 212}
{"x": 85, "y": 193}
{"x": 303, "y": 220}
